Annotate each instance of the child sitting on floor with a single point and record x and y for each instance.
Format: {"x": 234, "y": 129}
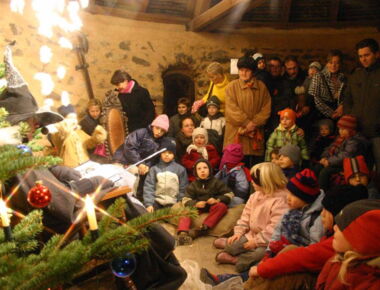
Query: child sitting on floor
{"x": 286, "y": 133}
{"x": 323, "y": 140}
{"x": 301, "y": 225}
{"x": 289, "y": 160}
{"x": 262, "y": 212}
{"x": 233, "y": 173}
{"x": 207, "y": 194}
{"x": 199, "y": 149}
{"x": 275, "y": 156}
{"x": 355, "y": 171}
{"x": 357, "y": 247}
{"x": 166, "y": 181}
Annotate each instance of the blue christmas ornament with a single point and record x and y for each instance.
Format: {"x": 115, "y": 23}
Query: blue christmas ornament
{"x": 124, "y": 267}
{"x": 25, "y": 149}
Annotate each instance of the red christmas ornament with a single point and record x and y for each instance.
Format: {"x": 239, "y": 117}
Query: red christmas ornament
{"x": 39, "y": 195}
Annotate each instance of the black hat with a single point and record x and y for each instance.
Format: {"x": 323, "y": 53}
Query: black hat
{"x": 169, "y": 144}
{"x": 248, "y": 62}
{"x": 18, "y": 100}
{"x": 340, "y": 196}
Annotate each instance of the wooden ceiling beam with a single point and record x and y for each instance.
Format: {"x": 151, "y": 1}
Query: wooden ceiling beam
{"x": 144, "y": 5}
{"x": 297, "y": 25}
{"x": 142, "y": 16}
{"x": 201, "y": 6}
{"x": 220, "y": 10}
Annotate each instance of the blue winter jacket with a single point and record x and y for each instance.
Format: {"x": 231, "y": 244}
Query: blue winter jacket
{"x": 138, "y": 145}
{"x": 236, "y": 180}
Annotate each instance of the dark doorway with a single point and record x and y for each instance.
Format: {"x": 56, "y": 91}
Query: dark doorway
{"x": 178, "y": 83}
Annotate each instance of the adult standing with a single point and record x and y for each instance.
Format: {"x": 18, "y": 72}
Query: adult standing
{"x": 135, "y": 100}
{"x": 293, "y": 72}
{"x": 327, "y": 86}
{"x": 218, "y": 82}
{"x": 280, "y": 91}
{"x": 248, "y": 106}
{"x": 362, "y": 96}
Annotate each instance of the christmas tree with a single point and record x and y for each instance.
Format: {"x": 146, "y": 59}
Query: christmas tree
{"x": 27, "y": 263}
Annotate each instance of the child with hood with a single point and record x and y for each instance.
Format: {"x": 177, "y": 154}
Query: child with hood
{"x": 199, "y": 149}
{"x": 207, "y": 194}
{"x": 233, "y": 173}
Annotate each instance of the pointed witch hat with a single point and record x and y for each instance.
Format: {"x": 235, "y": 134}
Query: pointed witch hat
{"x": 18, "y": 100}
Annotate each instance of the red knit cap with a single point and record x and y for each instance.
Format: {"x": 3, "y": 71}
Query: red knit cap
{"x": 304, "y": 185}
{"x": 359, "y": 222}
{"x": 291, "y": 114}
{"x": 354, "y": 165}
{"x": 347, "y": 122}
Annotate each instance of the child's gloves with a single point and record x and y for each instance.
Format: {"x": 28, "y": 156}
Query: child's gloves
{"x": 277, "y": 246}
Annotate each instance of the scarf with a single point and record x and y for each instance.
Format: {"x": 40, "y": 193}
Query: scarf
{"x": 201, "y": 150}
{"x": 338, "y": 142}
{"x": 129, "y": 88}
{"x": 290, "y": 227}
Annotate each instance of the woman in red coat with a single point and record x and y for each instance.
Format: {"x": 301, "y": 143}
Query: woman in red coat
{"x": 197, "y": 150}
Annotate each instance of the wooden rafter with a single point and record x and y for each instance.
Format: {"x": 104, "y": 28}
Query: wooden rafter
{"x": 152, "y": 17}
{"x": 220, "y": 10}
{"x": 201, "y": 6}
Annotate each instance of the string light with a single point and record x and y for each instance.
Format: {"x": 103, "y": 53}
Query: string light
{"x": 61, "y": 72}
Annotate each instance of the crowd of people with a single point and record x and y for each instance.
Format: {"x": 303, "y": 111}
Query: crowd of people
{"x": 300, "y": 150}
{"x": 297, "y": 148}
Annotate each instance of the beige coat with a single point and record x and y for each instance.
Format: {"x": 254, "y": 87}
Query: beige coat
{"x": 72, "y": 145}
{"x": 244, "y": 104}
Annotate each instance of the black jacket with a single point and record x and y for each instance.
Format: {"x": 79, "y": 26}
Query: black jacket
{"x": 138, "y": 107}
{"x": 362, "y": 99}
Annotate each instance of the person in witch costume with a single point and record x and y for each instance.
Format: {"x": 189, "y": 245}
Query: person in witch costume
{"x": 22, "y": 106}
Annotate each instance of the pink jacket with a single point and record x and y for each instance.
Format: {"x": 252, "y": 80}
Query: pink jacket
{"x": 260, "y": 216}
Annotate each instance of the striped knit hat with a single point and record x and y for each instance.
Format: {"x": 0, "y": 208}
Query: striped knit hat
{"x": 347, "y": 122}
{"x": 304, "y": 185}
{"x": 354, "y": 165}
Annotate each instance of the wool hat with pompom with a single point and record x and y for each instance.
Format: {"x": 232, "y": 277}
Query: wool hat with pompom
{"x": 200, "y": 131}
{"x": 359, "y": 222}
{"x": 304, "y": 185}
{"x": 347, "y": 122}
{"x": 169, "y": 144}
{"x": 161, "y": 121}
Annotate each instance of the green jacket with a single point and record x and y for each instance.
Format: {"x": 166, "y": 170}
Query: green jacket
{"x": 362, "y": 99}
{"x": 280, "y": 137}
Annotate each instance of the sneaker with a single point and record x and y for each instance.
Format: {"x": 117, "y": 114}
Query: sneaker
{"x": 208, "y": 278}
{"x": 184, "y": 239}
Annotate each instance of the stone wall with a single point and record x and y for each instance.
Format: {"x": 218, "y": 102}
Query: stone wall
{"x": 147, "y": 49}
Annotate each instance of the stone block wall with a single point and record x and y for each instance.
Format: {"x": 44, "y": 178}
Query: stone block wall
{"x": 146, "y": 50}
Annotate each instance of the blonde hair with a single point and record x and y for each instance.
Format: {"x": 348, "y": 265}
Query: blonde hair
{"x": 94, "y": 102}
{"x": 215, "y": 68}
{"x": 348, "y": 259}
{"x": 270, "y": 176}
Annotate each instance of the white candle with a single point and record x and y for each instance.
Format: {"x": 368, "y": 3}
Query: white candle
{"x": 90, "y": 209}
{"x": 4, "y": 214}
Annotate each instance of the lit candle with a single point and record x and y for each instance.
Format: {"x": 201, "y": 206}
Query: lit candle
{"x": 5, "y": 221}
{"x": 90, "y": 209}
{"x": 4, "y": 214}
